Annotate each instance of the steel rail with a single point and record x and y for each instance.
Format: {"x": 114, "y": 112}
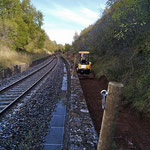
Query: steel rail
{"x": 25, "y": 77}
{"x": 28, "y": 90}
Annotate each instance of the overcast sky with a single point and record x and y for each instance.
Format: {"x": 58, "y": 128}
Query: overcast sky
{"x": 62, "y": 18}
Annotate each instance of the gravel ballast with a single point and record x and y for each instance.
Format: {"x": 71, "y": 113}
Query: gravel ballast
{"x": 26, "y": 125}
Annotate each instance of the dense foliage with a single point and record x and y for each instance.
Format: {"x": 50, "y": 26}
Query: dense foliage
{"x": 20, "y": 26}
{"x": 120, "y": 47}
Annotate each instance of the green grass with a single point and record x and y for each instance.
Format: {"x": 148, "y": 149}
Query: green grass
{"x": 102, "y": 65}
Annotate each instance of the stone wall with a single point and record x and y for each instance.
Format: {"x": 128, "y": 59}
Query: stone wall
{"x": 13, "y": 70}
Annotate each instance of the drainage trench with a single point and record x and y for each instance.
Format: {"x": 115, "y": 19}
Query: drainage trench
{"x": 54, "y": 138}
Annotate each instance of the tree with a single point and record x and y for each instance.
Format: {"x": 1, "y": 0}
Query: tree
{"x": 67, "y": 47}
{"x": 39, "y": 19}
{"x": 76, "y": 36}
{"x": 120, "y": 45}
{"x": 60, "y": 47}
{"x": 20, "y": 25}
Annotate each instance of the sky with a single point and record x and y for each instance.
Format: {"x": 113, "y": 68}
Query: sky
{"x": 62, "y": 18}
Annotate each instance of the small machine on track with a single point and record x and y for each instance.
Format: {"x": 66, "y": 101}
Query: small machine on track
{"x": 84, "y": 65}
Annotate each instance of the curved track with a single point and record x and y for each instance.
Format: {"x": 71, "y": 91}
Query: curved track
{"x": 11, "y": 94}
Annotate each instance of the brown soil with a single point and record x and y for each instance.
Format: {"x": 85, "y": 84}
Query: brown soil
{"x": 132, "y": 132}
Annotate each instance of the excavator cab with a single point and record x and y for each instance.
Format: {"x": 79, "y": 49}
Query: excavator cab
{"x": 84, "y": 65}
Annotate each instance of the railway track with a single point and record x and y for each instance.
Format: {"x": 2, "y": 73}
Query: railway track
{"x": 14, "y": 92}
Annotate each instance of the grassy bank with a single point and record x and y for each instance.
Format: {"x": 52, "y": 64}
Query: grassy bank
{"x": 21, "y": 31}
{"x": 10, "y": 57}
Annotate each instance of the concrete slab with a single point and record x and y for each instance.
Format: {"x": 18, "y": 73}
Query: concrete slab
{"x": 57, "y": 121}
{"x": 55, "y": 136}
{"x": 54, "y": 139}
{"x": 52, "y": 147}
{"x": 60, "y": 109}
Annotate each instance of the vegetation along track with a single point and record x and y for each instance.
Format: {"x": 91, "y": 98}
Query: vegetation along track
{"x": 11, "y": 94}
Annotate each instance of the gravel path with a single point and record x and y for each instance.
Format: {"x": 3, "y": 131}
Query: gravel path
{"x": 26, "y": 127}
{"x": 82, "y": 135}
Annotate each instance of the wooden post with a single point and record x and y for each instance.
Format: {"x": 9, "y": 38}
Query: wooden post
{"x": 110, "y": 116}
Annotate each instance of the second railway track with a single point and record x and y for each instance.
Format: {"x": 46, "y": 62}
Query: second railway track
{"x": 11, "y": 94}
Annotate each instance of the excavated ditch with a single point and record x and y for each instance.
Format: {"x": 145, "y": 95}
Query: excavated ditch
{"x": 132, "y": 132}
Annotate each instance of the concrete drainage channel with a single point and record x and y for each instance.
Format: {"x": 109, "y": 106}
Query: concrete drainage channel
{"x": 54, "y": 138}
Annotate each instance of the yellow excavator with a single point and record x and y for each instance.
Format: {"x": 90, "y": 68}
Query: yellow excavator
{"x": 84, "y": 65}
